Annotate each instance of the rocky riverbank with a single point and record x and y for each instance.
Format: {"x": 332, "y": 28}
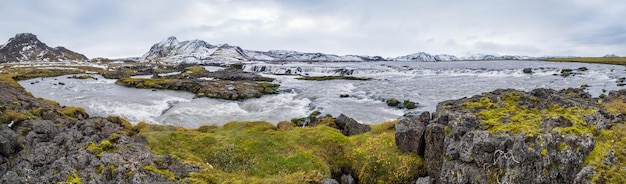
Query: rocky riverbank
{"x": 42, "y": 142}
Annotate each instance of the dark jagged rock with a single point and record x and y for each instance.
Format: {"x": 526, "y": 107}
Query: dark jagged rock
{"x": 349, "y": 126}
{"x": 410, "y": 133}
{"x": 26, "y": 47}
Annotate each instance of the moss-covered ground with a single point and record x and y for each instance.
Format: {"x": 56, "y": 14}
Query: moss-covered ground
{"x": 612, "y": 139}
{"x": 507, "y": 115}
{"x": 256, "y": 152}
{"x": 601, "y": 60}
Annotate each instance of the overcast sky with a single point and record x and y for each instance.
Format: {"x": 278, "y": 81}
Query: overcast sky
{"x": 122, "y": 28}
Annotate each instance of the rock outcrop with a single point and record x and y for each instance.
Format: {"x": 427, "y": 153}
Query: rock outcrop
{"x": 508, "y": 136}
{"x": 26, "y": 47}
{"x": 42, "y": 142}
{"x": 230, "y": 84}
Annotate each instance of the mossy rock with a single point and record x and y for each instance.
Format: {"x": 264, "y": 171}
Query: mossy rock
{"x": 392, "y": 102}
{"x": 74, "y": 112}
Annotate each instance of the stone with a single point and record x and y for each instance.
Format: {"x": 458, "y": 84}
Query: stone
{"x": 434, "y": 150}
{"x": 347, "y": 179}
{"x": 425, "y": 180}
{"x": 329, "y": 181}
{"x": 410, "y": 135}
{"x": 349, "y": 126}
{"x": 610, "y": 158}
{"x": 8, "y": 142}
{"x": 527, "y": 70}
{"x": 585, "y": 175}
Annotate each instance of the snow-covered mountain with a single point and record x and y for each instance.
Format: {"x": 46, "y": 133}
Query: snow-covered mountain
{"x": 422, "y": 56}
{"x": 483, "y": 57}
{"x": 26, "y": 47}
{"x": 288, "y": 55}
{"x": 171, "y": 50}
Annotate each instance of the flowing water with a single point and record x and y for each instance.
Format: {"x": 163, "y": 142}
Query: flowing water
{"x": 426, "y": 83}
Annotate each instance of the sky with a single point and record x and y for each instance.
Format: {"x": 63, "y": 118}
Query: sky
{"x": 390, "y": 28}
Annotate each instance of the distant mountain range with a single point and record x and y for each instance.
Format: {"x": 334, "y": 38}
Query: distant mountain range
{"x": 171, "y": 50}
{"x": 26, "y": 47}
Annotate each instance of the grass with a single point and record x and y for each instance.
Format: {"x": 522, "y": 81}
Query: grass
{"x": 601, "y": 60}
{"x": 324, "y": 78}
{"x": 255, "y": 152}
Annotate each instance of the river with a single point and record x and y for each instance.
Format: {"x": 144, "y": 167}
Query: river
{"x": 426, "y": 83}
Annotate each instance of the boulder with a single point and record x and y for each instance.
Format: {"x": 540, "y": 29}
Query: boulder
{"x": 410, "y": 134}
{"x": 349, "y": 126}
{"x": 528, "y": 70}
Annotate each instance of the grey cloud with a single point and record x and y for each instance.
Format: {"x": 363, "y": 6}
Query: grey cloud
{"x": 116, "y": 28}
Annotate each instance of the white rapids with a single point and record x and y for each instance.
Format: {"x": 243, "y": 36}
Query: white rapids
{"x": 424, "y": 82}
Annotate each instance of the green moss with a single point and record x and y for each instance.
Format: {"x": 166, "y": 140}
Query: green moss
{"x": 256, "y": 152}
{"x": 563, "y": 147}
{"x": 51, "y": 102}
{"x": 15, "y": 116}
{"x": 74, "y": 179}
{"x": 507, "y": 115}
{"x": 104, "y": 146}
{"x": 73, "y": 112}
{"x": 127, "y": 127}
{"x": 169, "y": 175}
{"x": 324, "y": 78}
{"x": 409, "y": 104}
{"x": 611, "y": 139}
{"x": 544, "y": 152}
{"x": 114, "y": 137}
{"x": 194, "y": 69}
{"x": 8, "y": 79}
{"x": 268, "y": 88}
{"x": 392, "y": 102}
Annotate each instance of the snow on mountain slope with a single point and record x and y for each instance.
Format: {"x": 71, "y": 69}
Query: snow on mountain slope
{"x": 172, "y": 51}
{"x": 26, "y": 47}
{"x": 482, "y": 57}
{"x": 422, "y": 56}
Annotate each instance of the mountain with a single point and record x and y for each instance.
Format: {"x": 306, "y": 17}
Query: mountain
{"x": 422, "y": 56}
{"x": 610, "y": 56}
{"x": 483, "y": 57}
{"x": 171, "y": 50}
{"x": 26, "y": 47}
